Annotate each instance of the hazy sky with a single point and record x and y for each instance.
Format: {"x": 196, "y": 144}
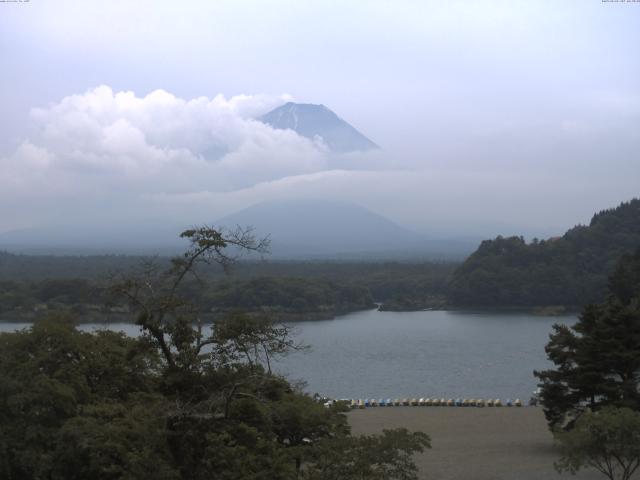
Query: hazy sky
{"x": 493, "y": 116}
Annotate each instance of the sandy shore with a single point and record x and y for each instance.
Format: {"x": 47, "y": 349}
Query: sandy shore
{"x": 474, "y": 443}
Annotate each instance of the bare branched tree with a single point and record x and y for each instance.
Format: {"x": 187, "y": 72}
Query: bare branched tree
{"x": 154, "y": 293}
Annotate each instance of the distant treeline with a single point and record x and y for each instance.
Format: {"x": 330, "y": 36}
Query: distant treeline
{"x": 284, "y": 290}
{"x": 568, "y": 271}
{"x": 285, "y": 295}
{"x": 571, "y": 270}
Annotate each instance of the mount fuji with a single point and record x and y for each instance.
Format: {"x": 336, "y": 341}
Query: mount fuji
{"x": 318, "y": 122}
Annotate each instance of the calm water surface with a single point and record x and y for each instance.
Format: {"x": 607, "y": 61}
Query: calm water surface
{"x": 414, "y": 354}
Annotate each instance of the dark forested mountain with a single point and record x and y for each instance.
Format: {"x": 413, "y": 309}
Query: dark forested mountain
{"x": 569, "y": 270}
{"x": 313, "y": 121}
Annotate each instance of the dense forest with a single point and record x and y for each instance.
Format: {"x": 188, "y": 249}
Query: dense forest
{"x": 288, "y": 295}
{"x": 281, "y": 298}
{"x": 31, "y": 286}
{"x": 597, "y": 360}
{"x": 176, "y": 402}
{"x": 571, "y": 270}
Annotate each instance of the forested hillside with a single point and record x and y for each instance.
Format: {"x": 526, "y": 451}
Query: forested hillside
{"x": 571, "y": 270}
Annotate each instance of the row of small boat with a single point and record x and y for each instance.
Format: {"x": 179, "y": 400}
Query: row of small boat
{"x": 434, "y": 402}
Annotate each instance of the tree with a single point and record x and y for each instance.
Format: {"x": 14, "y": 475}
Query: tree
{"x": 156, "y": 297}
{"x": 598, "y": 359}
{"x": 123, "y": 440}
{"x": 607, "y": 440}
{"x": 374, "y": 457}
{"x": 182, "y": 401}
{"x": 53, "y": 377}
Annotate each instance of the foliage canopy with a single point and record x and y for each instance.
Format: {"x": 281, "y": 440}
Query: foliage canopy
{"x": 571, "y": 270}
{"x": 597, "y": 360}
{"x": 182, "y": 401}
{"x": 607, "y": 440}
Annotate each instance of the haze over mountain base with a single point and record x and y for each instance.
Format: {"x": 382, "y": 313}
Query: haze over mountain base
{"x": 297, "y": 228}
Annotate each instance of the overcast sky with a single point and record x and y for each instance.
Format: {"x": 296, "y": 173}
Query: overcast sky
{"x": 493, "y": 116}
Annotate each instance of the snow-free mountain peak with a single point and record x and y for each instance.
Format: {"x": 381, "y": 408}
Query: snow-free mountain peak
{"x": 312, "y": 121}
{"x": 303, "y": 227}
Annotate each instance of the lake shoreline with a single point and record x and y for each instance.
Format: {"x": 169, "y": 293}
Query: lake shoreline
{"x": 374, "y": 354}
{"x": 288, "y": 317}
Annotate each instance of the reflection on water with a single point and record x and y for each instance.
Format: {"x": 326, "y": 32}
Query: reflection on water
{"x": 413, "y": 354}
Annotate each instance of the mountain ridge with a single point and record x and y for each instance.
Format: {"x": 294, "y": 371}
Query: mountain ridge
{"x": 321, "y": 227}
{"x": 300, "y": 228}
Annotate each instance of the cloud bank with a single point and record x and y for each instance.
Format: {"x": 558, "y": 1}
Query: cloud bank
{"x": 156, "y": 143}
{"x": 106, "y": 156}
{"x": 106, "y": 146}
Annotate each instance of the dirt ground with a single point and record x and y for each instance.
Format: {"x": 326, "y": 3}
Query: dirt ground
{"x": 474, "y": 443}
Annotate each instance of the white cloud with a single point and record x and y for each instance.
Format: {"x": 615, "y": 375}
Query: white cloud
{"x": 159, "y": 143}
{"x": 435, "y": 202}
{"x": 114, "y": 156}
{"x": 116, "y": 148}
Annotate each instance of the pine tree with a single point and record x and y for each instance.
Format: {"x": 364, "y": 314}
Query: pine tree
{"x": 598, "y": 359}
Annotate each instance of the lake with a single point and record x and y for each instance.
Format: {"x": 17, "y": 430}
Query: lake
{"x": 414, "y": 354}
